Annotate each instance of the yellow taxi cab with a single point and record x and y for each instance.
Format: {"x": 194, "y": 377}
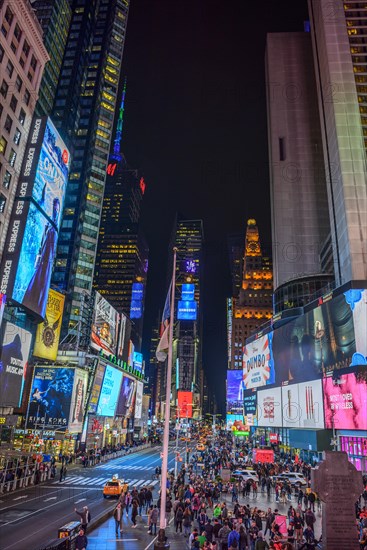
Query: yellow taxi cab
{"x": 115, "y": 487}
{"x": 200, "y": 447}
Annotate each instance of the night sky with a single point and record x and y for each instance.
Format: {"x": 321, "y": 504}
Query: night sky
{"x": 195, "y": 127}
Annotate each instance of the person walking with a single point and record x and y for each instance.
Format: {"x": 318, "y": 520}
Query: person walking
{"x": 261, "y": 543}
{"x": 85, "y": 517}
{"x": 187, "y": 521}
{"x": 117, "y": 514}
{"x": 154, "y": 520}
{"x": 134, "y": 512}
{"x": 179, "y": 518}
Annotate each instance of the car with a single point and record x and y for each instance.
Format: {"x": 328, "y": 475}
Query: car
{"x": 246, "y": 474}
{"x": 294, "y": 478}
{"x": 115, "y": 487}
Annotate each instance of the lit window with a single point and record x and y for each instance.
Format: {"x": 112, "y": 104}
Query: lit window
{"x": 17, "y": 136}
{"x": 22, "y": 117}
{"x": 2, "y": 203}
{"x": 12, "y": 157}
{"x": 7, "y": 179}
{"x": 3, "y": 144}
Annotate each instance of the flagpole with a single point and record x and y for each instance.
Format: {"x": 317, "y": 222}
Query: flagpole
{"x": 161, "y": 541}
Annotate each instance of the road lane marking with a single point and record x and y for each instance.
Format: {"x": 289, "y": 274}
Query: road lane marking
{"x": 49, "y": 498}
{"x": 19, "y": 498}
{"x": 80, "y": 500}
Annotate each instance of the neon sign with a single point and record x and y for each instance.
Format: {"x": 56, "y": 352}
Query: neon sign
{"x": 190, "y": 266}
{"x": 142, "y": 185}
{"x": 111, "y": 168}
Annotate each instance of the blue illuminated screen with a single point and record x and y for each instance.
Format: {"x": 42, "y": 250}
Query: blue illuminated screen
{"x": 109, "y": 392}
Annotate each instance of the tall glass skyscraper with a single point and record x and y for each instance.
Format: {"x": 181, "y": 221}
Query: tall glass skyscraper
{"x": 84, "y": 110}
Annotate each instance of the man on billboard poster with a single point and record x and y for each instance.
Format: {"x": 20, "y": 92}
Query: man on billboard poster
{"x": 35, "y": 297}
{"x": 51, "y": 397}
{"x": 11, "y": 357}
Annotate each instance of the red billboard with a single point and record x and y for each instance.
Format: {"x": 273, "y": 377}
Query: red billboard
{"x": 263, "y": 455}
{"x": 184, "y": 404}
{"x": 345, "y": 402}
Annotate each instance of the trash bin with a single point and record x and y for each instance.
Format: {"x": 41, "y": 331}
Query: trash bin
{"x": 69, "y": 531}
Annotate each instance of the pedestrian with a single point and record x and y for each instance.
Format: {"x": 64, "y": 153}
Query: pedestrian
{"x": 85, "y": 517}
{"x": 117, "y": 514}
{"x": 223, "y": 535}
{"x": 154, "y": 519}
{"x": 187, "y": 521}
{"x": 179, "y": 518}
{"x": 310, "y": 518}
{"x": 261, "y": 543}
{"x": 128, "y": 501}
{"x": 81, "y": 541}
{"x": 233, "y": 538}
{"x": 134, "y": 512}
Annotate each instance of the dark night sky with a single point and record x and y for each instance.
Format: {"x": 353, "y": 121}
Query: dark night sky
{"x": 195, "y": 127}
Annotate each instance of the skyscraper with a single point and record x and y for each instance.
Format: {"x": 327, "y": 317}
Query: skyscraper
{"x": 84, "y": 109}
{"x": 299, "y": 206}
{"x": 235, "y": 250}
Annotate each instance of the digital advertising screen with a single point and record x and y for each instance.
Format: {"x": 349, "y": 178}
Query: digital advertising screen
{"x": 357, "y": 301}
{"x": 188, "y": 292}
{"x": 105, "y": 325}
{"x": 232, "y": 418}
{"x": 130, "y": 360}
{"x": 139, "y": 400}
{"x": 345, "y": 402}
{"x": 184, "y": 404}
{"x": 109, "y": 392}
{"x": 96, "y": 388}
{"x": 123, "y": 338}
{"x": 258, "y": 363}
{"x": 269, "y": 407}
{"x": 50, "y": 398}
{"x": 187, "y": 310}
{"x": 137, "y": 299}
{"x": 235, "y": 391}
{"x": 78, "y": 400}
{"x": 303, "y": 405}
{"x": 125, "y": 406}
{"x": 48, "y": 332}
{"x": 250, "y": 407}
{"x": 14, "y": 354}
{"x": 30, "y": 246}
{"x": 138, "y": 361}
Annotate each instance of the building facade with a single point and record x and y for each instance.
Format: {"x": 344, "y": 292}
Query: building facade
{"x": 22, "y": 60}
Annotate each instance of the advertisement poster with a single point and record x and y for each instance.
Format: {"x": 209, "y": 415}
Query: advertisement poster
{"x": 235, "y": 391}
{"x": 357, "y": 300}
{"x": 123, "y": 342}
{"x": 303, "y": 405}
{"x": 184, "y": 404}
{"x": 96, "y": 388}
{"x": 109, "y": 392}
{"x": 139, "y": 400}
{"x": 345, "y": 402}
{"x": 258, "y": 363}
{"x": 138, "y": 361}
{"x": 126, "y": 397}
{"x": 50, "y": 398}
{"x": 187, "y": 311}
{"x": 231, "y": 419}
{"x": 317, "y": 342}
{"x": 14, "y": 353}
{"x": 48, "y": 333}
{"x": 250, "y": 407}
{"x": 269, "y": 407}
{"x": 78, "y": 401}
{"x": 104, "y": 326}
{"x": 137, "y": 297}
{"x": 130, "y": 360}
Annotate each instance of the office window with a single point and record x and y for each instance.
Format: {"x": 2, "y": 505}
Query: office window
{"x": 2, "y": 203}
{"x": 27, "y": 97}
{"x": 8, "y": 123}
{"x": 3, "y": 144}
{"x": 281, "y": 148}
{"x": 10, "y": 68}
{"x": 22, "y": 117}
{"x": 9, "y": 15}
{"x": 1, "y": 53}
{"x": 13, "y": 47}
{"x": 13, "y": 103}
{"x": 18, "y": 83}
{"x": 7, "y": 179}
{"x": 26, "y": 48}
{"x": 17, "y": 136}
{"x": 12, "y": 157}
{"x": 4, "y": 89}
{"x": 33, "y": 62}
{"x": 17, "y": 32}
{"x": 30, "y": 76}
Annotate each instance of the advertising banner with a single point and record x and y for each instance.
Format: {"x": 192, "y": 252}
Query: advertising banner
{"x": 345, "y": 402}
{"x": 123, "y": 340}
{"x": 303, "y": 405}
{"x": 232, "y": 418}
{"x": 104, "y": 334}
{"x": 137, "y": 297}
{"x": 186, "y": 310}
{"x": 48, "y": 332}
{"x": 14, "y": 353}
{"x": 269, "y": 407}
{"x": 357, "y": 300}
{"x": 138, "y": 361}
{"x": 78, "y": 401}
{"x": 50, "y": 398}
{"x": 250, "y": 407}
{"x": 125, "y": 405}
{"x": 130, "y": 360}
{"x": 184, "y": 404}
{"x": 235, "y": 391}
{"x": 258, "y": 363}
{"x": 30, "y": 246}
{"x": 2, "y": 306}
{"x": 263, "y": 456}
{"x": 188, "y": 292}
{"x": 109, "y": 392}
{"x": 96, "y": 388}
{"x": 139, "y": 400}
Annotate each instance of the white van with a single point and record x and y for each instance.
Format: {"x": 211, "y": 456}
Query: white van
{"x": 294, "y": 478}
{"x": 246, "y": 474}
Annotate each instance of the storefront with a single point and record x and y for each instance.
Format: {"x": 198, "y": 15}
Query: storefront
{"x": 355, "y": 446}
{"x": 45, "y": 442}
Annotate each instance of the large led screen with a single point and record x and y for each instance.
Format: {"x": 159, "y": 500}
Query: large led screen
{"x": 104, "y": 335}
{"x": 187, "y": 310}
{"x": 258, "y": 363}
{"x": 137, "y": 298}
{"x": 109, "y": 392}
{"x": 14, "y": 353}
{"x": 50, "y": 398}
{"x": 78, "y": 400}
{"x": 123, "y": 342}
{"x": 235, "y": 391}
{"x": 48, "y": 332}
{"x": 269, "y": 407}
{"x": 125, "y": 405}
{"x": 345, "y": 402}
{"x": 96, "y": 388}
{"x": 357, "y": 300}
{"x": 139, "y": 400}
{"x": 303, "y": 405}
{"x": 184, "y": 404}
{"x": 138, "y": 361}
{"x": 250, "y": 407}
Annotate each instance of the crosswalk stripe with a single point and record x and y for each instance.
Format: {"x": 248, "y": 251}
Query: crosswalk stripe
{"x": 70, "y": 480}
{"x": 154, "y": 482}
{"x": 132, "y": 482}
{"x": 142, "y": 481}
{"x": 92, "y": 481}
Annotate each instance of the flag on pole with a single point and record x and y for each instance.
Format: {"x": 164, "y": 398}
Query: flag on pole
{"x": 162, "y": 348}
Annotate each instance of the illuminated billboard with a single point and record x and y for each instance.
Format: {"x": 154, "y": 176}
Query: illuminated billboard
{"x": 50, "y": 398}
{"x": 235, "y": 391}
{"x": 30, "y": 246}
{"x": 139, "y": 400}
{"x": 109, "y": 392}
{"x": 184, "y": 404}
{"x": 345, "y": 402}
{"x": 48, "y": 332}
{"x": 188, "y": 292}
{"x": 137, "y": 298}
{"x": 303, "y": 405}
{"x": 258, "y": 363}
{"x": 104, "y": 335}
{"x": 357, "y": 300}
{"x": 78, "y": 400}
{"x": 125, "y": 406}
{"x": 250, "y": 407}
{"x": 96, "y": 388}
{"x": 187, "y": 310}
{"x": 14, "y": 353}
{"x": 269, "y": 407}
{"x": 138, "y": 361}
{"x": 123, "y": 341}
{"x": 130, "y": 360}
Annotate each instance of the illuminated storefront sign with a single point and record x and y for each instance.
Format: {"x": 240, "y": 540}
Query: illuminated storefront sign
{"x": 137, "y": 297}
{"x": 120, "y": 363}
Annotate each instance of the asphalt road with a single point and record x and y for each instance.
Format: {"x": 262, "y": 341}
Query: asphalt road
{"x": 31, "y": 517}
